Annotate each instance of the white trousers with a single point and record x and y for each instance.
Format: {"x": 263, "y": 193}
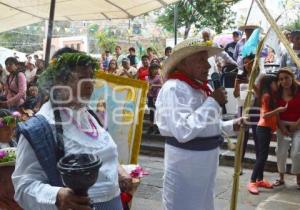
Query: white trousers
{"x": 189, "y": 179}
{"x": 283, "y": 145}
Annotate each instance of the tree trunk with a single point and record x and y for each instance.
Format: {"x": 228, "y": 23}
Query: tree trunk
{"x": 187, "y": 30}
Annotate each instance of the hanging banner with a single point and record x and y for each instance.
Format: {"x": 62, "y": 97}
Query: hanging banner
{"x": 119, "y": 104}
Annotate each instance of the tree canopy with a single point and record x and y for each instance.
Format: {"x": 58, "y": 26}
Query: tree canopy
{"x": 106, "y": 41}
{"x": 291, "y": 26}
{"x": 25, "y": 39}
{"x": 30, "y": 38}
{"x": 215, "y": 14}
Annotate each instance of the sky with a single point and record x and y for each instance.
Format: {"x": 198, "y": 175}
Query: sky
{"x": 256, "y": 17}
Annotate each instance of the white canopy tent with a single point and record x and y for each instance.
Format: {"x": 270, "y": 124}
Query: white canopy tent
{"x": 17, "y": 13}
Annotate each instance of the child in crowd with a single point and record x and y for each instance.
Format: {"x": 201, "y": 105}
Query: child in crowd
{"x": 155, "y": 83}
{"x": 266, "y": 126}
{"x": 32, "y": 101}
{"x": 144, "y": 70}
{"x": 271, "y": 58}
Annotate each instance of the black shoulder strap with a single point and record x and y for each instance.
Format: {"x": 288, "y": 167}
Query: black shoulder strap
{"x": 95, "y": 116}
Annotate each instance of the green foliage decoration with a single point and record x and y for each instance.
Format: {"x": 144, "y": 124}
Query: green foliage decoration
{"x": 60, "y": 69}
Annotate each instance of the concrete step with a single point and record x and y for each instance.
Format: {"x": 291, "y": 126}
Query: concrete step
{"x": 250, "y": 146}
{"x": 155, "y": 148}
{"x": 227, "y": 159}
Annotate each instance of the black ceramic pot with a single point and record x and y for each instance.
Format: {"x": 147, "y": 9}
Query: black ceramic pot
{"x": 79, "y": 171}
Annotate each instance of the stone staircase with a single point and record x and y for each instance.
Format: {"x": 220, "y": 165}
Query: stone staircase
{"x": 153, "y": 145}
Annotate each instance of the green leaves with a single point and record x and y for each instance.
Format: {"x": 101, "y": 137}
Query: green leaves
{"x": 7, "y": 156}
{"x": 293, "y": 25}
{"x": 60, "y": 69}
{"x": 106, "y": 41}
{"x": 215, "y": 14}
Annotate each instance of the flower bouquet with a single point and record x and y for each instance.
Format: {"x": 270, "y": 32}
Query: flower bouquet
{"x": 136, "y": 172}
{"x": 7, "y": 125}
{"x": 10, "y": 120}
{"x": 7, "y": 157}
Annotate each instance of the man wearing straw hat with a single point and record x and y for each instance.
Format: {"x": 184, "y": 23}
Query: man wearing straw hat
{"x": 189, "y": 115}
{"x": 237, "y": 55}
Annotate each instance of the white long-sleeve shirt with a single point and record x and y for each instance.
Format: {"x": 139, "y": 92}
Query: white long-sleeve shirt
{"x": 186, "y": 113}
{"x": 30, "y": 182}
{"x": 189, "y": 176}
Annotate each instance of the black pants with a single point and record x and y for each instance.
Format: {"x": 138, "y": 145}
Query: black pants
{"x": 264, "y": 135}
{"x": 151, "y": 106}
{"x": 246, "y": 138}
{"x": 254, "y": 120}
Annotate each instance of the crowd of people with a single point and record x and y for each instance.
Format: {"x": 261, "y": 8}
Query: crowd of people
{"x": 148, "y": 68}
{"x": 18, "y": 85}
{"x": 179, "y": 96}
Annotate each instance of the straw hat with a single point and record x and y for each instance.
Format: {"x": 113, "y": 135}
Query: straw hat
{"x": 244, "y": 27}
{"x": 186, "y": 48}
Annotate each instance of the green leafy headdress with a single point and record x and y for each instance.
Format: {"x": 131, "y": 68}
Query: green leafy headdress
{"x": 60, "y": 69}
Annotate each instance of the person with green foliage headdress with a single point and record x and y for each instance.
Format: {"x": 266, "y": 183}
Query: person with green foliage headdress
{"x": 65, "y": 125}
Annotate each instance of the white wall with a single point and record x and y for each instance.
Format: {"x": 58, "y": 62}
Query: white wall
{"x": 5, "y": 53}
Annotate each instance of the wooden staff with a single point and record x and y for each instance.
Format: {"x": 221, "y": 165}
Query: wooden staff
{"x": 240, "y": 140}
{"x": 239, "y": 146}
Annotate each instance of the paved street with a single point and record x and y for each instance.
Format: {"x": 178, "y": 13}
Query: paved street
{"x": 148, "y": 196}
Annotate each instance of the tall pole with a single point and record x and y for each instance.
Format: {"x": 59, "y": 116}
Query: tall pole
{"x": 278, "y": 32}
{"x": 129, "y": 34}
{"x": 175, "y": 23}
{"x": 248, "y": 15}
{"x": 254, "y": 74}
{"x": 49, "y": 33}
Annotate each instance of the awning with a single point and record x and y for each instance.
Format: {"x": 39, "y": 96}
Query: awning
{"x": 17, "y": 13}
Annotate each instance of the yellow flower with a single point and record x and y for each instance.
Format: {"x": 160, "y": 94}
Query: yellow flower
{"x": 53, "y": 61}
{"x": 209, "y": 43}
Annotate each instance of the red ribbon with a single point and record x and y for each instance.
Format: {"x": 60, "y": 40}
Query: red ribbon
{"x": 125, "y": 198}
{"x": 193, "y": 83}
